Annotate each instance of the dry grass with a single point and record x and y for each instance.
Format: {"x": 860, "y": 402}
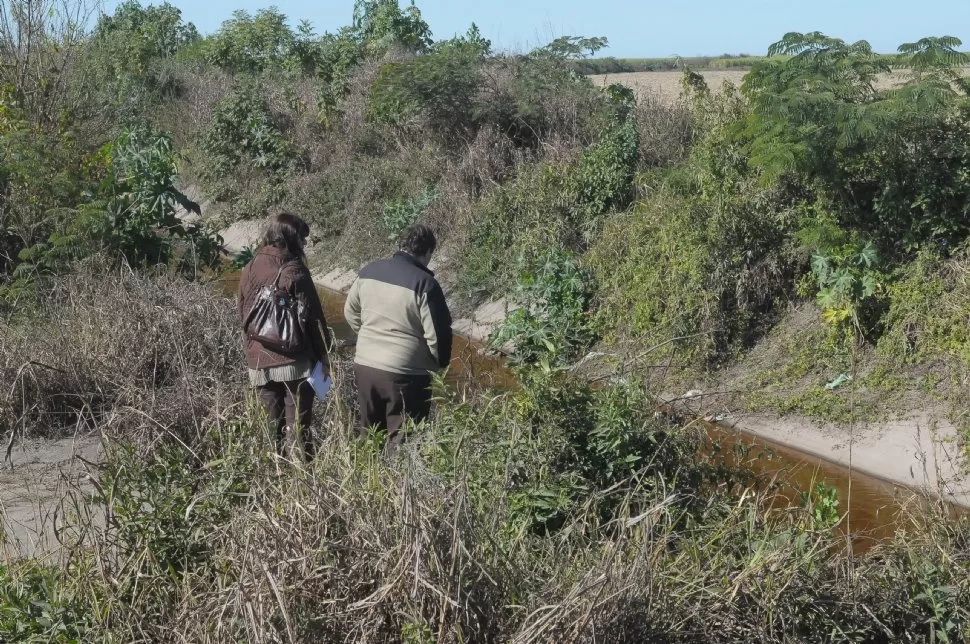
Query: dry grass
{"x": 208, "y": 537}
{"x": 106, "y": 346}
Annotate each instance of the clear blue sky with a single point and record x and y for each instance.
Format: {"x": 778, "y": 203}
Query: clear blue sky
{"x": 640, "y": 28}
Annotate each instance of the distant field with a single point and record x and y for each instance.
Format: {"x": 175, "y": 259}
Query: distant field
{"x": 667, "y": 83}
{"x": 743, "y": 62}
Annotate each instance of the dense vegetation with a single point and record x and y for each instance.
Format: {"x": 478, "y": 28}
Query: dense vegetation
{"x": 556, "y": 512}
{"x": 681, "y": 234}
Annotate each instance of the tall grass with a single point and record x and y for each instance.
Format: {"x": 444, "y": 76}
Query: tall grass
{"x": 553, "y": 513}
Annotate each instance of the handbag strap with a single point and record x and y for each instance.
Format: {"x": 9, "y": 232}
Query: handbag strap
{"x": 276, "y": 282}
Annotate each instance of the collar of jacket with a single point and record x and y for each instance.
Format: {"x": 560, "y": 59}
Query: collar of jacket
{"x": 282, "y": 254}
{"x": 405, "y": 257}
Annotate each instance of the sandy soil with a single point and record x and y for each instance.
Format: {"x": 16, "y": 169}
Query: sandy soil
{"x": 35, "y": 493}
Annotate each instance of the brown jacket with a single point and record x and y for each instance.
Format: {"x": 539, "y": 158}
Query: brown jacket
{"x": 295, "y": 279}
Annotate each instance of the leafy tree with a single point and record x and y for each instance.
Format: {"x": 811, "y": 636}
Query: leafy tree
{"x": 379, "y": 24}
{"x": 813, "y": 105}
{"x": 129, "y": 53}
{"x": 340, "y": 54}
{"x": 254, "y": 44}
{"x": 472, "y": 39}
{"x": 134, "y": 37}
{"x": 41, "y": 44}
{"x": 934, "y": 65}
{"x": 892, "y": 163}
{"x": 572, "y": 47}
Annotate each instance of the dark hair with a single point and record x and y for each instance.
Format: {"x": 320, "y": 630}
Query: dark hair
{"x": 417, "y": 240}
{"x": 285, "y": 232}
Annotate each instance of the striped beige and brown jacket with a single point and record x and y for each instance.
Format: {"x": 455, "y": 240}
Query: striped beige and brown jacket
{"x": 399, "y": 313}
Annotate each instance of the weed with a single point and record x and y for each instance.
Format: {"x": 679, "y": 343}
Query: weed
{"x": 551, "y": 323}
{"x": 398, "y": 215}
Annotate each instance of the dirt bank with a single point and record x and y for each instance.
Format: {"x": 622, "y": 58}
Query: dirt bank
{"x": 920, "y": 451}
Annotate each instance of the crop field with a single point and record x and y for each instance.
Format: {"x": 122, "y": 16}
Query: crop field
{"x": 667, "y": 83}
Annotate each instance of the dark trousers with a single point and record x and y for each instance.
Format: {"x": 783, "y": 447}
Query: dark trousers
{"x": 292, "y": 402}
{"x": 386, "y": 399}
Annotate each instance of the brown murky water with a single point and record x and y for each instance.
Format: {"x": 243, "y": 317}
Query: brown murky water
{"x": 872, "y": 508}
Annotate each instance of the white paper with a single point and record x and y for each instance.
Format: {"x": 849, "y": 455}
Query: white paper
{"x": 321, "y": 385}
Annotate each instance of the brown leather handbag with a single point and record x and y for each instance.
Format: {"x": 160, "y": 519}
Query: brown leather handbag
{"x": 276, "y": 319}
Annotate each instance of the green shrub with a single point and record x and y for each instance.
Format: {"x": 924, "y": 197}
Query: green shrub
{"x": 551, "y": 323}
{"x": 537, "y": 97}
{"x": 36, "y": 606}
{"x": 246, "y": 140}
{"x": 129, "y": 51}
{"x": 381, "y": 23}
{"x": 559, "y": 206}
{"x": 264, "y": 42}
{"x": 534, "y": 211}
{"x": 691, "y": 274}
{"x": 244, "y": 130}
{"x": 606, "y": 168}
{"x": 400, "y": 214}
{"x": 439, "y": 87}
{"x": 378, "y": 26}
{"x": 132, "y": 215}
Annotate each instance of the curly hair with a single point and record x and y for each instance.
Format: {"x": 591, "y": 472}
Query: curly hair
{"x": 417, "y": 240}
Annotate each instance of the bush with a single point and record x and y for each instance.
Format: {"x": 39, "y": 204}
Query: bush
{"x": 550, "y": 323}
{"x": 92, "y": 344}
{"x": 261, "y": 43}
{"x": 130, "y": 53}
{"x": 555, "y": 205}
{"x": 130, "y": 216}
{"x": 537, "y": 98}
{"x": 244, "y": 129}
{"x": 36, "y": 606}
{"x": 398, "y": 215}
{"x": 606, "y": 168}
{"x": 694, "y": 278}
{"x": 245, "y": 140}
{"x": 437, "y": 88}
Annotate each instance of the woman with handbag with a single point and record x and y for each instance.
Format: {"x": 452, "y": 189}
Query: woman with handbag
{"x": 284, "y": 328}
